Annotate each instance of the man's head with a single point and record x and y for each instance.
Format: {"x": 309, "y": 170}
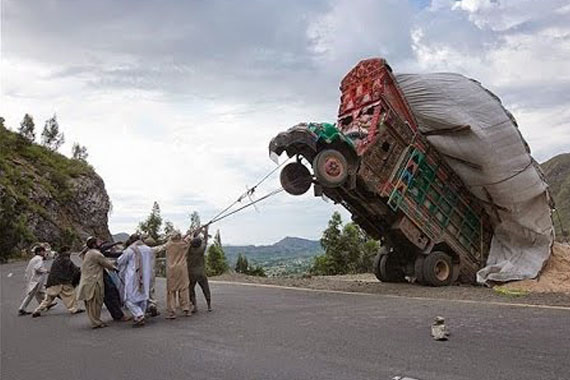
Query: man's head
{"x": 64, "y": 251}
{"x": 196, "y": 242}
{"x": 134, "y": 237}
{"x": 40, "y": 250}
{"x": 91, "y": 242}
{"x": 176, "y": 236}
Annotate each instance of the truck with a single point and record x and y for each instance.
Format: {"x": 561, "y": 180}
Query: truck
{"x": 377, "y": 164}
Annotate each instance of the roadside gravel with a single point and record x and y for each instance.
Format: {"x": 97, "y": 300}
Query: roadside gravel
{"x": 367, "y": 283}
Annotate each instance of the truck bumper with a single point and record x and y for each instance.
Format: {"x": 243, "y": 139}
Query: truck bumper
{"x": 296, "y": 140}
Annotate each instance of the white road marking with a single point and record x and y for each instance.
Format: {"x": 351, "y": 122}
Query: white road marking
{"x": 494, "y": 303}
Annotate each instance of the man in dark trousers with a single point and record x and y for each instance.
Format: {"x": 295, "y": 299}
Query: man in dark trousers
{"x": 112, "y": 298}
{"x": 197, "y": 267}
{"x": 62, "y": 279}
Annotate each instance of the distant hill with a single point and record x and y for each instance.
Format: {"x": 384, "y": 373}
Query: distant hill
{"x": 121, "y": 236}
{"x": 287, "y": 248}
{"x": 557, "y": 171}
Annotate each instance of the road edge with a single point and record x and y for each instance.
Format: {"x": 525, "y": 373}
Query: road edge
{"x": 473, "y": 302}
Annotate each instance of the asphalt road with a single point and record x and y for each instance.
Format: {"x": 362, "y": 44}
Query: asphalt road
{"x": 271, "y": 333}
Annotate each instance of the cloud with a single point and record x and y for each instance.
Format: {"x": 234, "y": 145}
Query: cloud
{"x": 177, "y": 101}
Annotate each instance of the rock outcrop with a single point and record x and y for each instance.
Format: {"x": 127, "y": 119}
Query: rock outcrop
{"x": 45, "y": 196}
{"x": 557, "y": 172}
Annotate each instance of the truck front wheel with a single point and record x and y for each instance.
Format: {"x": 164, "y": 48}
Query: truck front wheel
{"x": 331, "y": 168}
{"x": 438, "y": 269}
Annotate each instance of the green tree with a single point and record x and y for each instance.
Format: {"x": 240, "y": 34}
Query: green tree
{"x": 168, "y": 227}
{"x": 351, "y": 242}
{"x": 27, "y": 128}
{"x": 13, "y": 224}
{"x": 256, "y": 271}
{"x": 153, "y": 223}
{"x": 331, "y": 236}
{"x": 332, "y": 261}
{"x": 216, "y": 262}
{"x": 347, "y": 249}
{"x": 218, "y": 238}
{"x": 242, "y": 265}
{"x": 370, "y": 249}
{"x": 51, "y": 137}
{"x": 194, "y": 221}
{"x": 79, "y": 152}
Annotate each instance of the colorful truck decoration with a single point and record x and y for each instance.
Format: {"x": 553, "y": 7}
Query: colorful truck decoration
{"x": 377, "y": 164}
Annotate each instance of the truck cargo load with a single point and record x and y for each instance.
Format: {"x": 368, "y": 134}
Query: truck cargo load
{"x": 494, "y": 162}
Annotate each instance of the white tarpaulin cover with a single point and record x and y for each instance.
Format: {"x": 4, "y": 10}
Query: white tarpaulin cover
{"x": 494, "y": 161}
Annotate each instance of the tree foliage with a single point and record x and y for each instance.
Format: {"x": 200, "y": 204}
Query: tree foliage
{"x": 241, "y": 264}
{"x": 26, "y": 129}
{"x": 347, "y": 249}
{"x": 216, "y": 262}
{"x": 168, "y": 228}
{"x": 79, "y": 152}
{"x": 13, "y": 226}
{"x": 218, "y": 238}
{"x": 44, "y": 172}
{"x": 153, "y": 223}
{"x": 194, "y": 221}
{"x": 51, "y": 137}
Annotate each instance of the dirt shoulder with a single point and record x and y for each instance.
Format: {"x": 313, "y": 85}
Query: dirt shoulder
{"x": 367, "y": 283}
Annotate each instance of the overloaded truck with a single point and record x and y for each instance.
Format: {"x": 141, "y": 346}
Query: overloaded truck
{"x": 398, "y": 188}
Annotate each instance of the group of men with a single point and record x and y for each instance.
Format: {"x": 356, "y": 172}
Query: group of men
{"x": 125, "y": 283}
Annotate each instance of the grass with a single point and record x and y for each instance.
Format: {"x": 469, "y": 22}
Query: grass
{"x": 512, "y": 293}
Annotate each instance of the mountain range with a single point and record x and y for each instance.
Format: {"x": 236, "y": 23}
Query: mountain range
{"x": 286, "y": 248}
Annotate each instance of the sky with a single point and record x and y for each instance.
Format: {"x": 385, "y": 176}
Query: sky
{"x": 176, "y": 101}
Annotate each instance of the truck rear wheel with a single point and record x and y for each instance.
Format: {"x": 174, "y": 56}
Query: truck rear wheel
{"x": 331, "y": 168}
{"x": 438, "y": 269}
{"x": 387, "y": 268}
{"x": 296, "y": 178}
{"x": 419, "y": 269}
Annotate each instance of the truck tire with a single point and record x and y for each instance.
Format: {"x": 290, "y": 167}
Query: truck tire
{"x": 438, "y": 269}
{"x": 419, "y": 269}
{"x": 387, "y": 269}
{"x": 376, "y": 266}
{"x": 455, "y": 274}
{"x": 331, "y": 168}
{"x": 295, "y": 178}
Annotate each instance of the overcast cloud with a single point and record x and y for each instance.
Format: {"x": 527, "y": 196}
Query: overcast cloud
{"x": 176, "y": 101}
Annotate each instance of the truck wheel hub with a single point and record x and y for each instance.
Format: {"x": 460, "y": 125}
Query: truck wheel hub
{"x": 333, "y": 167}
{"x": 442, "y": 270}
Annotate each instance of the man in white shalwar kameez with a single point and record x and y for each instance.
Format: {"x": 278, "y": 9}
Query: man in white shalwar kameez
{"x": 136, "y": 268}
{"x": 35, "y": 277}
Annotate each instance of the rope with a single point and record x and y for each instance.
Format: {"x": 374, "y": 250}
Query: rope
{"x": 272, "y": 193}
{"x": 268, "y": 195}
{"x": 270, "y": 173}
{"x": 248, "y": 192}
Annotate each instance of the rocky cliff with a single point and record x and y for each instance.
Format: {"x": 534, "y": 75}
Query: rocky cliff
{"x": 45, "y": 196}
{"x": 557, "y": 171}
